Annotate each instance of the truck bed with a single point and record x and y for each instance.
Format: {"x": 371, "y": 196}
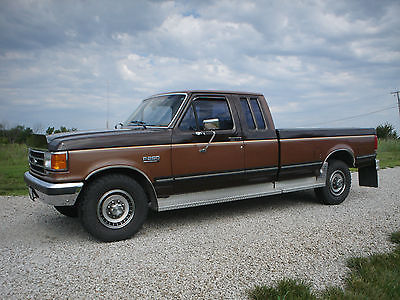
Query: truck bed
{"x": 287, "y": 133}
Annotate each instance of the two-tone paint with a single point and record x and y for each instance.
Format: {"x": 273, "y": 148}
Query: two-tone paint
{"x": 170, "y": 161}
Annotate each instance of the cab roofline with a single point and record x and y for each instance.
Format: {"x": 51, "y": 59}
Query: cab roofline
{"x": 209, "y": 92}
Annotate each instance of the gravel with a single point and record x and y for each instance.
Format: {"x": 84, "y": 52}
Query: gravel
{"x": 218, "y": 251}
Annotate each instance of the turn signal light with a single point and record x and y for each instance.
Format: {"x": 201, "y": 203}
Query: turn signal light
{"x": 376, "y": 143}
{"x": 59, "y": 161}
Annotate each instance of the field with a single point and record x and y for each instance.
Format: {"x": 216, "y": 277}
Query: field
{"x": 14, "y": 162}
{"x": 389, "y": 153}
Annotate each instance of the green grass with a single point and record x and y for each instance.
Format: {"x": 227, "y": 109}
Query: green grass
{"x": 389, "y": 153}
{"x": 373, "y": 277}
{"x": 13, "y": 164}
{"x": 285, "y": 289}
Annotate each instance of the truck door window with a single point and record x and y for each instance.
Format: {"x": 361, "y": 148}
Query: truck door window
{"x": 247, "y": 113}
{"x": 189, "y": 120}
{"x": 203, "y": 109}
{"x": 257, "y": 113}
{"x": 211, "y": 109}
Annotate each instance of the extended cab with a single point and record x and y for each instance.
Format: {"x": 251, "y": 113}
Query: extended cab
{"x": 188, "y": 149}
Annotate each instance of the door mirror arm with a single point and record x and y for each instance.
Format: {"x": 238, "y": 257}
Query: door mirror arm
{"x": 203, "y": 150}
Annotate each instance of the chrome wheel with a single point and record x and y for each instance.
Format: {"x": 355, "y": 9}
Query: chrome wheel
{"x": 115, "y": 209}
{"x": 337, "y": 183}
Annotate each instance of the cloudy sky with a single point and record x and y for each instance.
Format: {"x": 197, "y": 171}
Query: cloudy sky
{"x": 319, "y": 63}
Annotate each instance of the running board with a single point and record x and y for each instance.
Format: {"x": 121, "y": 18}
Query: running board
{"x": 242, "y": 192}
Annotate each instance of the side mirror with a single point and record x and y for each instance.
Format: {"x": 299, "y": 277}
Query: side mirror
{"x": 211, "y": 124}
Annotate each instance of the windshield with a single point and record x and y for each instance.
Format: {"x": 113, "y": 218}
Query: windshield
{"x": 156, "y": 111}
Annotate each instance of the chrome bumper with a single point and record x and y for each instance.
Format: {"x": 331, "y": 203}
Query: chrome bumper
{"x": 57, "y": 194}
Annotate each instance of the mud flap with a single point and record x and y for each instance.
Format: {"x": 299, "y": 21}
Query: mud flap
{"x": 368, "y": 175}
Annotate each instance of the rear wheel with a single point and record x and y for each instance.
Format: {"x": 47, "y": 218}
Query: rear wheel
{"x": 338, "y": 182}
{"x": 114, "y": 207}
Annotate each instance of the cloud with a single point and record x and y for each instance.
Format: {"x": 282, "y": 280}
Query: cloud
{"x": 314, "y": 61}
{"x": 158, "y": 72}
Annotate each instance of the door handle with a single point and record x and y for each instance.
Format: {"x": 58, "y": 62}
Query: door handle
{"x": 235, "y": 138}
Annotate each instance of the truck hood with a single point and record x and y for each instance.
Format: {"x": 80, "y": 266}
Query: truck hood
{"x": 80, "y": 140}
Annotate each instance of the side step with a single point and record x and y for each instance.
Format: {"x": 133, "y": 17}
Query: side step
{"x": 242, "y": 192}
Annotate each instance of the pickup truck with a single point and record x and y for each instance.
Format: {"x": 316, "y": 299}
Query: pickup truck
{"x": 191, "y": 148}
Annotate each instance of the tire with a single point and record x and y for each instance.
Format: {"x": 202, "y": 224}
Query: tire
{"x": 114, "y": 207}
{"x": 69, "y": 211}
{"x": 338, "y": 183}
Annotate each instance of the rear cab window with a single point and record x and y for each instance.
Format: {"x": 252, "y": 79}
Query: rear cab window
{"x": 253, "y": 114}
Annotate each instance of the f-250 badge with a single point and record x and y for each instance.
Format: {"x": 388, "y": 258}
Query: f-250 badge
{"x": 151, "y": 159}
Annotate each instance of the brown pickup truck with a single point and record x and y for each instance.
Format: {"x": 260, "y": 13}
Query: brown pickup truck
{"x": 191, "y": 148}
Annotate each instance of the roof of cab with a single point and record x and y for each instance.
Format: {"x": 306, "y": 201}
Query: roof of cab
{"x": 211, "y": 92}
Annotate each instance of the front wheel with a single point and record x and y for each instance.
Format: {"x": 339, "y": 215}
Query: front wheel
{"x": 113, "y": 208}
{"x": 338, "y": 183}
{"x": 69, "y": 211}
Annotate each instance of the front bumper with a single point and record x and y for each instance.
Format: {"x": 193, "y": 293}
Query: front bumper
{"x": 56, "y": 194}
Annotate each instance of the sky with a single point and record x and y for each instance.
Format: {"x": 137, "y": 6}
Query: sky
{"x": 81, "y": 63}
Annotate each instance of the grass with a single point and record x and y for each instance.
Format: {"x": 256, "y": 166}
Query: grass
{"x": 373, "y": 277}
{"x": 389, "y": 153}
{"x": 13, "y": 164}
{"x": 285, "y": 289}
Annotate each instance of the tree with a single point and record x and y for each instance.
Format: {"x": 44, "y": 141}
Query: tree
{"x": 3, "y": 138}
{"x": 50, "y": 130}
{"x": 18, "y": 134}
{"x": 386, "y": 131}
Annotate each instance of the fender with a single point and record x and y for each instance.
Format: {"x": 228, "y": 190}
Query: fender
{"x": 345, "y": 150}
{"x": 130, "y": 168}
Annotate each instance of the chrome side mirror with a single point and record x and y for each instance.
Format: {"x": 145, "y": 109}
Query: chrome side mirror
{"x": 211, "y": 124}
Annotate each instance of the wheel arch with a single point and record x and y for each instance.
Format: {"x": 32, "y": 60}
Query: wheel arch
{"x": 132, "y": 172}
{"x": 344, "y": 155}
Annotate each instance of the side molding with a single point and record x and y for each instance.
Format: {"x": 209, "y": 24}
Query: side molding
{"x": 242, "y": 192}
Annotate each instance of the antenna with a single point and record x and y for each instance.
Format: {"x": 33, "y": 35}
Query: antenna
{"x": 108, "y": 105}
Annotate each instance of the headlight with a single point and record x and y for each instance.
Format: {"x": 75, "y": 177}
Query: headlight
{"x": 55, "y": 161}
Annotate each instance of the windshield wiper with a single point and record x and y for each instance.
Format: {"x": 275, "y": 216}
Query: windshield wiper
{"x": 138, "y": 123}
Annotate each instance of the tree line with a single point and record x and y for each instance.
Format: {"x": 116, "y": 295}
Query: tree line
{"x": 386, "y": 131}
{"x": 19, "y": 134}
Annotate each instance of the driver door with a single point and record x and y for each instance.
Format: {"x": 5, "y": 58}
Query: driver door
{"x": 197, "y": 163}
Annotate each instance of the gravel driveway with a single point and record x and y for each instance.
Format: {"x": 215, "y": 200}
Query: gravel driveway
{"x": 212, "y": 252}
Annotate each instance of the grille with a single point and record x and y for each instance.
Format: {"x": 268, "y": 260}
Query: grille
{"x": 36, "y": 161}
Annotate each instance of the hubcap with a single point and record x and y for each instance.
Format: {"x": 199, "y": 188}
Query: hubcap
{"x": 115, "y": 209}
{"x": 337, "y": 183}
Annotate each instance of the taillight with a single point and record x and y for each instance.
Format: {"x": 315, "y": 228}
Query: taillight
{"x": 376, "y": 143}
